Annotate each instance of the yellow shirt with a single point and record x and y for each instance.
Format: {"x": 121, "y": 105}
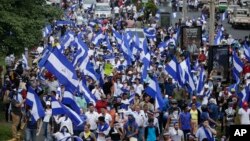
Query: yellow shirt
{"x": 194, "y": 114}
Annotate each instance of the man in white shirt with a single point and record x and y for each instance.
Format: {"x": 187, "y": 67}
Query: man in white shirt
{"x": 139, "y": 120}
{"x": 244, "y": 113}
{"x": 97, "y": 91}
{"x": 92, "y": 117}
{"x": 107, "y": 116}
{"x": 138, "y": 87}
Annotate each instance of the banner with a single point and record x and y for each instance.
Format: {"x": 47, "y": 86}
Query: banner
{"x": 191, "y": 36}
{"x": 219, "y": 62}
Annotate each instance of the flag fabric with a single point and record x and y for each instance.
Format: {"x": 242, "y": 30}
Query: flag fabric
{"x": 68, "y": 99}
{"x": 34, "y": 102}
{"x": 150, "y": 33}
{"x": 47, "y": 31}
{"x": 146, "y": 64}
{"x": 157, "y": 15}
{"x": 89, "y": 97}
{"x": 218, "y": 37}
{"x": 66, "y": 41}
{"x": 76, "y": 119}
{"x": 98, "y": 38}
{"x": 131, "y": 98}
{"x": 172, "y": 68}
{"x": 203, "y": 17}
{"x": 237, "y": 64}
{"x": 59, "y": 66}
{"x": 247, "y": 51}
{"x": 25, "y": 62}
{"x": 82, "y": 51}
{"x": 153, "y": 90}
{"x": 223, "y": 17}
{"x": 244, "y": 95}
{"x": 90, "y": 71}
{"x": 201, "y": 82}
{"x": 56, "y": 107}
{"x": 174, "y": 15}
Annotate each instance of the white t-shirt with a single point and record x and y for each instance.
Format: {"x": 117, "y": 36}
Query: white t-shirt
{"x": 107, "y": 117}
{"x": 244, "y": 116}
{"x": 92, "y": 118}
{"x": 116, "y": 10}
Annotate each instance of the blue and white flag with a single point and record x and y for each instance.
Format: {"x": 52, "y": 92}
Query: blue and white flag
{"x": 236, "y": 76}
{"x": 82, "y": 51}
{"x": 25, "y": 62}
{"x": 117, "y": 36}
{"x": 66, "y": 41}
{"x": 201, "y": 82}
{"x": 47, "y": 31}
{"x": 157, "y": 15}
{"x": 203, "y": 17}
{"x": 146, "y": 64}
{"x": 34, "y": 102}
{"x": 98, "y": 38}
{"x": 69, "y": 99}
{"x": 172, "y": 68}
{"x": 237, "y": 64}
{"x": 90, "y": 71}
{"x": 244, "y": 95}
{"x": 89, "y": 97}
{"x": 223, "y": 17}
{"x": 56, "y": 107}
{"x": 187, "y": 77}
{"x": 62, "y": 23}
{"x": 174, "y": 15}
{"x": 59, "y": 66}
{"x": 218, "y": 37}
{"x": 131, "y": 98}
{"x": 76, "y": 119}
{"x": 150, "y": 33}
{"x": 154, "y": 91}
{"x": 247, "y": 51}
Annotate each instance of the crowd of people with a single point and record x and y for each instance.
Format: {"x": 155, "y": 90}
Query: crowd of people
{"x": 118, "y": 102}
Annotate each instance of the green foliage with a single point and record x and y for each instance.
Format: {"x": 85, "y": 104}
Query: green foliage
{"x": 151, "y": 7}
{"x": 21, "y": 23}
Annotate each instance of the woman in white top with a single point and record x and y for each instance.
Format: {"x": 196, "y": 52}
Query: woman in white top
{"x": 47, "y": 118}
{"x": 65, "y": 121}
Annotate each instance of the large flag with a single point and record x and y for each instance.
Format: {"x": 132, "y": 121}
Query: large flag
{"x": 34, "y": 102}
{"x": 172, "y": 68}
{"x": 237, "y": 64}
{"x": 89, "y": 97}
{"x": 247, "y": 51}
{"x": 69, "y": 99}
{"x": 218, "y": 37}
{"x": 59, "y": 108}
{"x": 201, "y": 82}
{"x": 154, "y": 91}
{"x": 58, "y": 65}
{"x": 98, "y": 38}
{"x": 244, "y": 95}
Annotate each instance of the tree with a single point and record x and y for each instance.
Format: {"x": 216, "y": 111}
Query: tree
{"x": 21, "y": 23}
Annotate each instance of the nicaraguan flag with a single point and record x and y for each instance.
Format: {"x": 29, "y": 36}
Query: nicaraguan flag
{"x": 56, "y": 107}
{"x": 201, "y": 82}
{"x": 98, "y": 38}
{"x": 66, "y": 41}
{"x": 244, "y": 95}
{"x": 172, "y": 69}
{"x": 153, "y": 90}
{"x": 89, "y": 97}
{"x": 157, "y": 15}
{"x": 59, "y": 65}
{"x": 34, "y": 102}
{"x": 47, "y": 31}
{"x": 223, "y": 17}
{"x": 150, "y": 33}
{"x": 69, "y": 99}
{"x": 218, "y": 37}
{"x": 247, "y": 51}
{"x": 25, "y": 62}
{"x": 76, "y": 119}
{"x": 237, "y": 64}
{"x": 146, "y": 64}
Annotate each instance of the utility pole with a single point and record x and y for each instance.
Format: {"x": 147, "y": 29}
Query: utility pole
{"x": 184, "y": 10}
{"x": 211, "y": 21}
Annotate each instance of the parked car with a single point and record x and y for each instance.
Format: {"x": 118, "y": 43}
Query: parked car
{"x": 103, "y": 10}
{"x": 222, "y": 5}
{"x": 88, "y": 3}
{"x": 240, "y": 17}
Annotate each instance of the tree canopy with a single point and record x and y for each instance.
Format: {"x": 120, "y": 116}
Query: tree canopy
{"x": 21, "y": 23}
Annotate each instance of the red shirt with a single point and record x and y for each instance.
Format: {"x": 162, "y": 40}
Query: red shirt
{"x": 202, "y": 57}
{"x": 101, "y": 104}
{"x": 246, "y": 69}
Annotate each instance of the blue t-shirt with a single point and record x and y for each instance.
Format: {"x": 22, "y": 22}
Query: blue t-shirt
{"x": 185, "y": 119}
{"x": 151, "y": 134}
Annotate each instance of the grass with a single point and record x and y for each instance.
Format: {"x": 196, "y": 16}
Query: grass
{"x": 5, "y": 128}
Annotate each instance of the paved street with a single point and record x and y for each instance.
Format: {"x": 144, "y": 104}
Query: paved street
{"x": 236, "y": 33}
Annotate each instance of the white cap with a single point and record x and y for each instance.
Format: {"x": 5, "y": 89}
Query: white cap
{"x": 48, "y": 103}
{"x": 206, "y": 85}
